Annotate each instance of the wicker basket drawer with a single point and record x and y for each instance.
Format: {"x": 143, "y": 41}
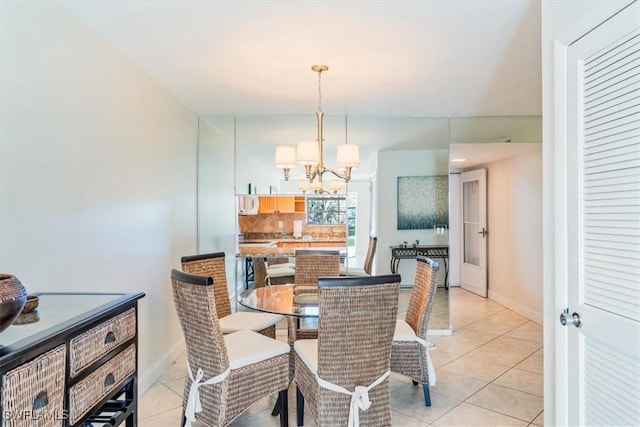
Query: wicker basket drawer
{"x": 96, "y": 342}
{"x": 33, "y": 393}
{"x": 86, "y": 393}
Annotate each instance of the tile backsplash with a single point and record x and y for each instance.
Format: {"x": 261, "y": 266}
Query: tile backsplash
{"x": 267, "y": 226}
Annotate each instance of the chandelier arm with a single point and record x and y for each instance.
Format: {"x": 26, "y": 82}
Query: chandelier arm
{"x": 346, "y": 176}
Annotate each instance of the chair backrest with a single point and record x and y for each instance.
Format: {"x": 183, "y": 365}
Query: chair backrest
{"x": 355, "y": 331}
{"x": 259, "y": 272}
{"x": 371, "y": 252}
{"x": 211, "y": 265}
{"x": 194, "y": 300}
{"x": 311, "y": 264}
{"x": 423, "y": 294}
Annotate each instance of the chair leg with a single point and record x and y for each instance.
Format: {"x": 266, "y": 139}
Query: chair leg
{"x": 427, "y": 395}
{"x": 276, "y": 408}
{"x": 283, "y": 396}
{"x": 299, "y": 408}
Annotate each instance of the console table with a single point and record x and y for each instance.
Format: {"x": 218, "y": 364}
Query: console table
{"x": 71, "y": 362}
{"x": 429, "y": 251}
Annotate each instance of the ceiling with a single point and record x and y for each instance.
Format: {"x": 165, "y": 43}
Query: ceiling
{"x": 387, "y": 58}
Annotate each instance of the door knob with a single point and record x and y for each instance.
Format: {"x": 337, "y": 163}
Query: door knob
{"x": 566, "y": 319}
{"x": 484, "y": 232}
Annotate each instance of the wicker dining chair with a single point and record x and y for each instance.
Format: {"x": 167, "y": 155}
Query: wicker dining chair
{"x": 213, "y": 265}
{"x": 310, "y": 265}
{"x": 365, "y": 270}
{"x": 226, "y": 374}
{"x": 314, "y": 263}
{"x": 347, "y": 367}
{"x": 410, "y": 350}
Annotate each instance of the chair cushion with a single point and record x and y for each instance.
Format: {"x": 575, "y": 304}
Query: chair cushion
{"x": 280, "y": 272}
{"x": 308, "y": 352}
{"x": 353, "y": 271}
{"x": 248, "y": 347}
{"x": 245, "y": 320}
{"x": 404, "y": 331}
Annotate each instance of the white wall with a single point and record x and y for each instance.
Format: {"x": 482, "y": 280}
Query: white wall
{"x": 558, "y": 20}
{"x": 98, "y": 177}
{"x": 216, "y": 196}
{"x": 391, "y": 165}
{"x": 514, "y": 205}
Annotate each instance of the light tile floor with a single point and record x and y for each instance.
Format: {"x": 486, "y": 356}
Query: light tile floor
{"x": 489, "y": 372}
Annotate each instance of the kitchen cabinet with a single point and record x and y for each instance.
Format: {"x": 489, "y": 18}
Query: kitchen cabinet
{"x": 300, "y": 204}
{"x": 277, "y": 204}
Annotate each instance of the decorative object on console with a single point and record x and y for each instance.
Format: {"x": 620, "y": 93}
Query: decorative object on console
{"x": 310, "y": 154}
{"x": 423, "y": 202}
{"x": 13, "y": 297}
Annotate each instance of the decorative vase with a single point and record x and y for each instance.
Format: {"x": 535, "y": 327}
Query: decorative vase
{"x": 13, "y": 297}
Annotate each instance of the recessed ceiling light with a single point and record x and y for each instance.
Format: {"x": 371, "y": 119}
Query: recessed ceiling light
{"x": 458, "y": 160}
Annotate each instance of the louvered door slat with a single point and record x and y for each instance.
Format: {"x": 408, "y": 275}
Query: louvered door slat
{"x": 609, "y": 177}
{"x": 630, "y": 109}
{"x": 627, "y": 88}
{"x": 624, "y": 70}
{"x": 609, "y": 390}
{"x": 625, "y": 148}
{"x": 620, "y": 49}
{"x": 612, "y": 124}
{"x": 620, "y": 100}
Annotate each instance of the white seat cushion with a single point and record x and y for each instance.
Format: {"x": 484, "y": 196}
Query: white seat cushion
{"x": 245, "y": 320}
{"x": 353, "y": 271}
{"x": 248, "y": 347}
{"x": 308, "y": 352}
{"x": 403, "y": 332}
{"x": 280, "y": 272}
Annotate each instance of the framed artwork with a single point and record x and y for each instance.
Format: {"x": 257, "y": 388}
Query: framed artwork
{"x": 423, "y": 202}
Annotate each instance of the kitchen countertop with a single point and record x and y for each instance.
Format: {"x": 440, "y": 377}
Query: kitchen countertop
{"x": 266, "y": 252}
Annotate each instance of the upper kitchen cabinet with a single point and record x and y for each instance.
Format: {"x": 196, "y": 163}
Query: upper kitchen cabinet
{"x": 281, "y": 204}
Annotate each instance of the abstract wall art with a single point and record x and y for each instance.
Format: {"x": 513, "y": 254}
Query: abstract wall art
{"x": 423, "y": 201}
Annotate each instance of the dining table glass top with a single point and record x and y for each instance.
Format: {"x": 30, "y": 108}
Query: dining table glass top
{"x": 280, "y": 299}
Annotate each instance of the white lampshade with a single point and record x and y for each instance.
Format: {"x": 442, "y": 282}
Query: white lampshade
{"x": 334, "y": 185}
{"x": 307, "y": 153}
{"x": 316, "y": 185}
{"x": 303, "y": 184}
{"x": 285, "y": 157}
{"x": 348, "y": 155}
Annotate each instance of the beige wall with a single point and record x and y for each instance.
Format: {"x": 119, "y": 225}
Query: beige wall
{"x": 514, "y": 205}
{"x": 98, "y": 176}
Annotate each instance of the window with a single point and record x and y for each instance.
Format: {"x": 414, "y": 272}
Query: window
{"x": 326, "y": 210}
{"x": 331, "y": 210}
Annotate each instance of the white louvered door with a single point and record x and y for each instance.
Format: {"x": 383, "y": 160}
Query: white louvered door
{"x": 603, "y": 223}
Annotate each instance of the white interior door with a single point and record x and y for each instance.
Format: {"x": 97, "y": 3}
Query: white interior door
{"x": 601, "y": 357}
{"x": 474, "y": 231}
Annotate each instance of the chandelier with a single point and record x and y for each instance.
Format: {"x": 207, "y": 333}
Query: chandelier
{"x": 310, "y": 154}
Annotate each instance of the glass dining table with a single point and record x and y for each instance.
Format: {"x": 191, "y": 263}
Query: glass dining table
{"x": 281, "y": 299}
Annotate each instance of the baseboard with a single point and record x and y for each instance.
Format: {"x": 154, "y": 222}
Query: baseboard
{"x": 517, "y": 307}
{"x": 146, "y": 379}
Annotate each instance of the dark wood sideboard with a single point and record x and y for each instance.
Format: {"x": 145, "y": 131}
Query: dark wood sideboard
{"x": 71, "y": 362}
{"x": 429, "y": 251}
